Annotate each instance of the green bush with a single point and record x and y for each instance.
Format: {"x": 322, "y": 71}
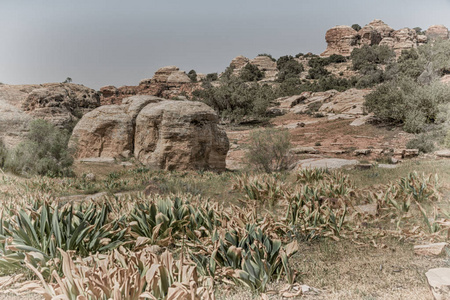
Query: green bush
{"x": 369, "y": 55}
{"x": 405, "y": 101}
{"x": 192, "y": 75}
{"x": 211, "y": 77}
{"x": 318, "y": 72}
{"x": 234, "y": 99}
{"x": 268, "y": 150}
{"x": 357, "y": 27}
{"x": 288, "y": 67}
{"x": 251, "y": 73}
{"x": 423, "y": 142}
{"x": 44, "y": 151}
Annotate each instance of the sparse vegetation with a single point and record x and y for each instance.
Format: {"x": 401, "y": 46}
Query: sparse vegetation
{"x": 268, "y": 150}
{"x": 251, "y": 72}
{"x": 192, "y": 75}
{"x": 44, "y": 151}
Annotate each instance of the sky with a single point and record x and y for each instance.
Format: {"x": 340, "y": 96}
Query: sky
{"x": 117, "y": 42}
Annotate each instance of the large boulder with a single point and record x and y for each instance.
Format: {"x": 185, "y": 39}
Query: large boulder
{"x": 179, "y": 135}
{"x": 341, "y": 40}
{"x": 108, "y": 131}
{"x": 58, "y": 103}
{"x": 164, "y": 134}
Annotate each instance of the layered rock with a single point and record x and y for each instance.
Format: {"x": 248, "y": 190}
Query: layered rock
{"x": 332, "y": 102}
{"x": 162, "y": 74}
{"x": 374, "y": 32}
{"x": 437, "y": 32}
{"x": 168, "y": 82}
{"x": 58, "y": 103}
{"x": 164, "y": 134}
{"x": 239, "y": 62}
{"x": 381, "y": 28}
{"x": 341, "y": 40}
{"x": 267, "y": 65}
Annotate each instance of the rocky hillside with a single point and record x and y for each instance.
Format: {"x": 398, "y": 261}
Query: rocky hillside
{"x": 62, "y": 104}
{"x": 343, "y": 39}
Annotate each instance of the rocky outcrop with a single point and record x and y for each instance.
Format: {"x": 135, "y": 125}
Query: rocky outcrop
{"x": 341, "y": 40}
{"x": 348, "y": 104}
{"x": 437, "y": 32}
{"x": 168, "y": 82}
{"x": 58, "y": 103}
{"x": 164, "y": 134}
{"x": 239, "y": 62}
{"x": 374, "y": 32}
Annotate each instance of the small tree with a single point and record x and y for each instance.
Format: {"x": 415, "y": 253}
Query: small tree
{"x": 192, "y": 75}
{"x": 68, "y": 80}
{"x": 251, "y": 73}
{"x": 268, "y": 150}
{"x": 357, "y": 27}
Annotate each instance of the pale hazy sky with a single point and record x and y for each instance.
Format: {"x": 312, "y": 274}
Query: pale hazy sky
{"x": 112, "y": 42}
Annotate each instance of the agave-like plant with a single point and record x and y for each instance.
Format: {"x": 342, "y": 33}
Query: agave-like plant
{"x": 38, "y": 233}
{"x": 125, "y": 275}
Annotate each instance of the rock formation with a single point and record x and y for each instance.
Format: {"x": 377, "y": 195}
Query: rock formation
{"x": 164, "y": 134}
{"x": 58, "y": 103}
{"x": 239, "y": 62}
{"x": 343, "y": 39}
{"x": 437, "y": 32}
{"x": 331, "y": 102}
{"x": 168, "y": 82}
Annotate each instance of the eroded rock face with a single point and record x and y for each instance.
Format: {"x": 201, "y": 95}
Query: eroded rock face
{"x": 179, "y": 135}
{"x": 104, "y": 132}
{"x": 164, "y": 134}
{"x": 437, "y": 32}
{"x": 341, "y": 40}
{"x": 58, "y": 103}
{"x": 168, "y": 82}
{"x": 162, "y": 74}
{"x": 239, "y": 62}
{"x": 108, "y": 131}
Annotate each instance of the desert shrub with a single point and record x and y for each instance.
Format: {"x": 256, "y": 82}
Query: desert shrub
{"x": 369, "y": 55}
{"x": 234, "y": 99}
{"x": 424, "y": 142}
{"x": 317, "y": 72}
{"x": 325, "y": 61}
{"x": 356, "y": 27}
{"x": 192, "y": 75}
{"x": 268, "y": 150}
{"x": 405, "y": 101}
{"x": 288, "y": 67}
{"x": 370, "y": 78}
{"x": 289, "y": 87}
{"x": 44, "y": 151}
{"x": 251, "y": 73}
{"x": 211, "y": 77}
